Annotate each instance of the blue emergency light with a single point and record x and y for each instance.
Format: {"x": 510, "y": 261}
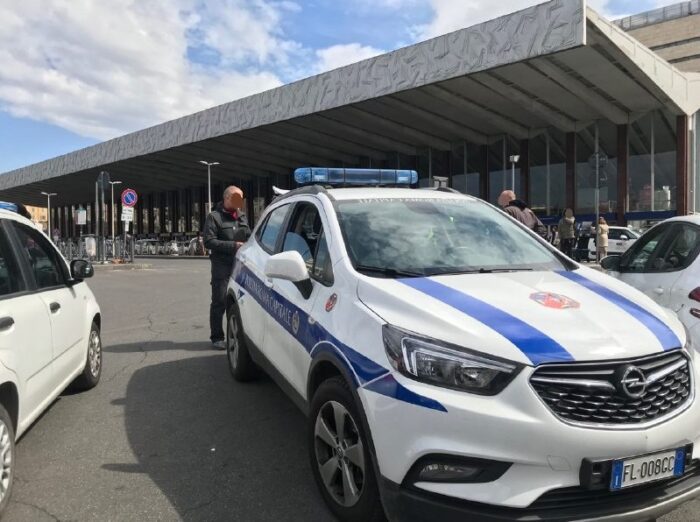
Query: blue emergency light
{"x": 356, "y": 177}
{"x": 4, "y": 205}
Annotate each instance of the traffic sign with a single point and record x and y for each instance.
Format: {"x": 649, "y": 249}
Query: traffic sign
{"x": 129, "y": 197}
{"x": 127, "y": 214}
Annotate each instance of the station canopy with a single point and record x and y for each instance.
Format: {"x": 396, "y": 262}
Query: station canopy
{"x": 554, "y": 65}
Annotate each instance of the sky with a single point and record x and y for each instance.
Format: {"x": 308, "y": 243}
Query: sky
{"x": 77, "y": 72}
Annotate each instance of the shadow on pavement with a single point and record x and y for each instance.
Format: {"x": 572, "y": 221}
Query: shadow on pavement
{"x": 157, "y": 346}
{"x": 219, "y": 450}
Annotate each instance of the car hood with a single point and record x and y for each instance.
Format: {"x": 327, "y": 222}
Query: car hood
{"x": 529, "y": 317}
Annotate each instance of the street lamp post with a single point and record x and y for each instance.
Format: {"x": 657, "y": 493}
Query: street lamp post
{"x": 114, "y": 252}
{"x": 48, "y": 211}
{"x": 513, "y": 160}
{"x": 209, "y": 166}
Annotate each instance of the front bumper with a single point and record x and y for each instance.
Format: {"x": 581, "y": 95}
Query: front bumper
{"x": 644, "y": 503}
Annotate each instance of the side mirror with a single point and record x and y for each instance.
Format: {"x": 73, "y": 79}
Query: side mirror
{"x": 624, "y": 238}
{"x": 611, "y": 263}
{"x": 81, "y": 269}
{"x": 290, "y": 266}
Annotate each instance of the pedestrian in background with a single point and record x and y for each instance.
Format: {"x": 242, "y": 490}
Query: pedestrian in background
{"x": 518, "y": 210}
{"x": 225, "y": 230}
{"x": 567, "y": 232}
{"x": 602, "y": 238}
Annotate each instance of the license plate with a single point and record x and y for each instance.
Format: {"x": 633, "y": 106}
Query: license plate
{"x": 647, "y": 468}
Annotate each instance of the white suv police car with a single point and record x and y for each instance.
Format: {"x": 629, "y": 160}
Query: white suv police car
{"x": 49, "y": 331}
{"x": 456, "y": 367}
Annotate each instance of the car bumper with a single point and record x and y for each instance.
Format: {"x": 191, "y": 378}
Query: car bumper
{"x": 644, "y": 504}
{"x": 545, "y": 454}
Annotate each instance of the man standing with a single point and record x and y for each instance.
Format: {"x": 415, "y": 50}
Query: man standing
{"x": 518, "y": 209}
{"x": 225, "y": 230}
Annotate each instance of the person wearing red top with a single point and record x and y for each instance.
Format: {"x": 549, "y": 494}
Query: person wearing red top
{"x": 225, "y": 230}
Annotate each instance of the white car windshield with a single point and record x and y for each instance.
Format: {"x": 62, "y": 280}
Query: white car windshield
{"x": 423, "y": 236}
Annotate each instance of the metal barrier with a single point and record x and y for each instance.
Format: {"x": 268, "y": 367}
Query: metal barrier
{"x": 656, "y": 16}
{"x": 97, "y": 249}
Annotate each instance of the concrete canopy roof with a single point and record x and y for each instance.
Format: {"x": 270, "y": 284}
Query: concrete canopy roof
{"x": 556, "y": 64}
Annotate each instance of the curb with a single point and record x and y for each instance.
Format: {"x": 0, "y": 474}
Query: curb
{"x": 124, "y": 266}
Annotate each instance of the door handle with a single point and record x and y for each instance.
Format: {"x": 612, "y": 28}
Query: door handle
{"x": 6, "y": 323}
{"x": 269, "y": 282}
{"x": 658, "y": 290}
{"x": 55, "y": 307}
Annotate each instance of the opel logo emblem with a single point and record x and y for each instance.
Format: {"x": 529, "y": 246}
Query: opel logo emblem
{"x": 631, "y": 381}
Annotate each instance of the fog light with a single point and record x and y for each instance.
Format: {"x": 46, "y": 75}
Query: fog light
{"x": 448, "y": 473}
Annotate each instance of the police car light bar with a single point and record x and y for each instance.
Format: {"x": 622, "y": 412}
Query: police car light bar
{"x": 4, "y": 205}
{"x": 362, "y": 177}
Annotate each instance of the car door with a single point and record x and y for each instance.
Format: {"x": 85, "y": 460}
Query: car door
{"x": 249, "y": 273}
{"x": 25, "y": 331}
{"x": 64, "y": 303}
{"x": 290, "y": 333}
{"x": 645, "y": 266}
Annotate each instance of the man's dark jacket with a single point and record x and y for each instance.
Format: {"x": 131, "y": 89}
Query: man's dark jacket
{"x": 221, "y": 232}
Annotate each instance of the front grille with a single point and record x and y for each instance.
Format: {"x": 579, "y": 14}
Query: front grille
{"x": 592, "y": 393}
{"x": 579, "y": 497}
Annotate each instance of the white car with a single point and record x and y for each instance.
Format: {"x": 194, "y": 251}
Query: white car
{"x": 664, "y": 265}
{"x": 619, "y": 240}
{"x": 454, "y": 366}
{"x": 49, "y": 331}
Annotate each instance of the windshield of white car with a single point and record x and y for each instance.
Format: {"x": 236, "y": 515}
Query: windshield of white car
{"x": 411, "y": 237}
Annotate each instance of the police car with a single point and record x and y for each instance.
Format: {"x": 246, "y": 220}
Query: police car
{"x": 49, "y": 331}
{"x": 454, "y": 366}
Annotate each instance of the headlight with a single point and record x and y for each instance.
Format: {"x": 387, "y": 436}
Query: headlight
{"x": 443, "y": 364}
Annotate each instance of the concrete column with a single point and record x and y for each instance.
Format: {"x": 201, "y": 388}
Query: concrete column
{"x": 175, "y": 211}
{"x": 484, "y": 173}
{"x": 622, "y": 172}
{"x": 682, "y": 170}
{"x": 524, "y": 165}
{"x": 202, "y": 195}
{"x": 149, "y": 210}
{"x": 163, "y": 198}
{"x": 571, "y": 170}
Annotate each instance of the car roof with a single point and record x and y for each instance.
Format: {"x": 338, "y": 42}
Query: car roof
{"x": 693, "y": 218}
{"x": 343, "y": 194}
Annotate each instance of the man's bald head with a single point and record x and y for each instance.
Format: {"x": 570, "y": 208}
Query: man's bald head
{"x": 506, "y": 197}
{"x": 233, "y": 198}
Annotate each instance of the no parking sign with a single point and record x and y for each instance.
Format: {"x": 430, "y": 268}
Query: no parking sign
{"x": 129, "y": 197}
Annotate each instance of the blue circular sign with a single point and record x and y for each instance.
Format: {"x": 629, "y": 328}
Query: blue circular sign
{"x": 129, "y": 198}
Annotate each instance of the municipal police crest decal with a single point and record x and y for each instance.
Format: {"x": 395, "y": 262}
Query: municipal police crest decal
{"x": 295, "y": 322}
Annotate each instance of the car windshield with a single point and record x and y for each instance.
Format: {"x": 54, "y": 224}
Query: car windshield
{"x": 395, "y": 237}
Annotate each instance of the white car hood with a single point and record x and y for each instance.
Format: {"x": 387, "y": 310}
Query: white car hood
{"x": 529, "y": 317}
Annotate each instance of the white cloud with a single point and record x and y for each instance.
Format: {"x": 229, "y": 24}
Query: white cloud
{"x": 343, "y": 54}
{"x": 101, "y": 69}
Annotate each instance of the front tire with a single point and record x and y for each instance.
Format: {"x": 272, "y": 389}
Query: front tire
{"x": 339, "y": 452}
{"x": 7, "y": 455}
{"x": 93, "y": 363}
{"x": 241, "y": 365}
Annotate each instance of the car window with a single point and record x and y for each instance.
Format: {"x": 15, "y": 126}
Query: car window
{"x": 323, "y": 267}
{"x": 10, "y": 278}
{"x": 679, "y": 250}
{"x": 269, "y": 231}
{"x": 638, "y": 257}
{"x": 615, "y": 233}
{"x": 305, "y": 235}
{"x": 45, "y": 265}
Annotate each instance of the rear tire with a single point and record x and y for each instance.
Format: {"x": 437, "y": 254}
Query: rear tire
{"x": 240, "y": 363}
{"x": 7, "y": 458}
{"x": 93, "y": 362}
{"x": 340, "y": 458}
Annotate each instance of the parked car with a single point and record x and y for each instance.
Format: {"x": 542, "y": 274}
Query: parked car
{"x": 619, "y": 240}
{"x": 49, "y": 332}
{"x": 455, "y": 366}
{"x": 664, "y": 264}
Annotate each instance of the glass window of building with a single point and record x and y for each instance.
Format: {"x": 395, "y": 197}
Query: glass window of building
{"x": 605, "y": 133}
{"x": 652, "y": 163}
{"x": 501, "y": 172}
{"x": 466, "y": 166}
{"x": 548, "y": 173}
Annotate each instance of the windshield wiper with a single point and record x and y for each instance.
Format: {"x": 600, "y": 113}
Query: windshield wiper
{"x": 483, "y": 270}
{"x": 388, "y": 272}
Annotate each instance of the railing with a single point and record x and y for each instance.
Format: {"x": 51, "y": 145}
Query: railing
{"x": 663, "y": 14}
{"x": 97, "y": 249}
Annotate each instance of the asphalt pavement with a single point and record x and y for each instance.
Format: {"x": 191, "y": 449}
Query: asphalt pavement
{"x": 167, "y": 434}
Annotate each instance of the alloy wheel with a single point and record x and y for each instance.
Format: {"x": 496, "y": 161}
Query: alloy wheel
{"x": 339, "y": 453}
{"x": 5, "y": 460}
{"x": 95, "y": 353}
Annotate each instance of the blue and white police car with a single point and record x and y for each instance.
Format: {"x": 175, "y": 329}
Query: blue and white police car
{"x": 454, "y": 366}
